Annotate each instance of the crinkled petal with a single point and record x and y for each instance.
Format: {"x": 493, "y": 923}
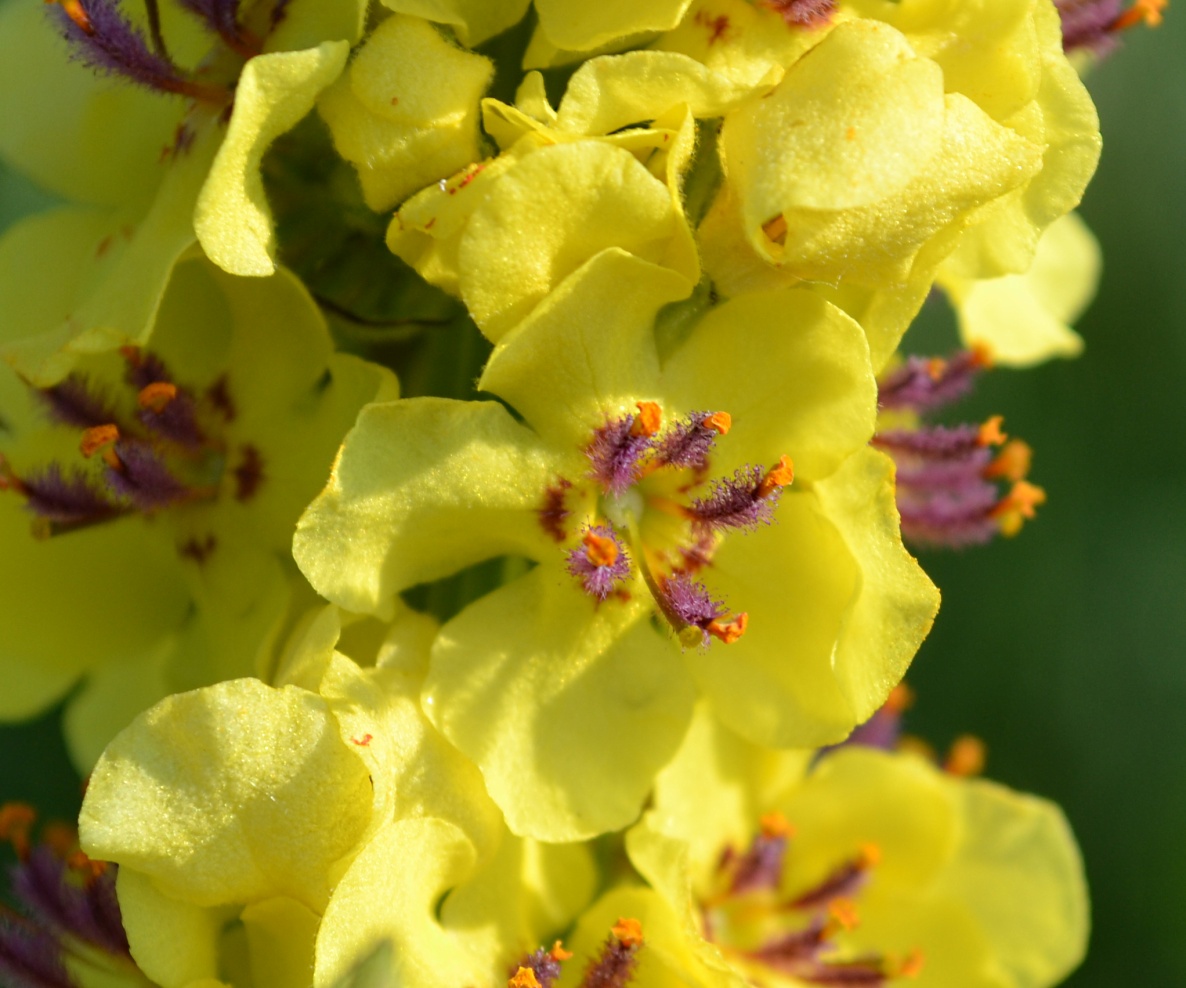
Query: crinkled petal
{"x": 568, "y": 707}
{"x": 232, "y": 218}
{"x": 422, "y": 488}
{"x": 1019, "y": 872}
{"x": 580, "y": 26}
{"x": 474, "y": 20}
{"x": 281, "y": 933}
{"x": 390, "y": 893}
{"x": 559, "y": 206}
{"x": 1024, "y": 319}
{"x": 587, "y": 352}
{"x": 230, "y": 793}
{"x": 791, "y": 370}
{"x": 406, "y": 111}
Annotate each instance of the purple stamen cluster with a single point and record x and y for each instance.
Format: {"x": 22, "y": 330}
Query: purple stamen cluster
{"x": 736, "y": 502}
{"x": 84, "y": 911}
{"x": 843, "y": 883}
{"x": 614, "y": 966}
{"x": 803, "y": 13}
{"x": 544, "y": 966}
{"x": 687, "y": 603}
{"x": 222, "y": 16}
{"x": 617, "y": 456}
{"x": 177, "y": 421}
{"x": 944, "y": 498}
{"x": 75, "y": 402}
{"x": 883, "y": 730}
{"x": 30, "y": 958}
{"x": 67, "y": 500}
{"x": 922, "y": 384}
{"x": 760, "y": 868}
{"x": 1086, "y": 25}
{"x": 687, "y": 444}
{"x": 110, "y": 43}
{"x": 143, "y": 477}
{"x": 599, "y": 580}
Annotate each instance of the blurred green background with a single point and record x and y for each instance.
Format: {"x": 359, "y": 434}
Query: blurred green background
{"x": 1065, "y": 649}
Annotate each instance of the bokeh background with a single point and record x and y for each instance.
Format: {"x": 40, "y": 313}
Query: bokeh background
{"x": 1065, "y": 648}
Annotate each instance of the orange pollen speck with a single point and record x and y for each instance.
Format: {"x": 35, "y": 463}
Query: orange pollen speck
{"x": 990, "y": 432}
{"x": 628, "y": 932}
{"x": 967, "y": 756}
{"x": 16, "y": 819}
{"x": 75, "y": 12}
{"x": 729, "y": 631}
{"x": 774, "y": 824}
{"x": 1022, "y": 499}
{"x": 157, "y": 395}
{"x": 901, "y": 698}
{"x": 649, "y": 419}
{"x": 558, "y": 953}
{"x": 363, "y": 741}
{"x": 910, "y": 966}
{"x": 981, "y": 356}
{"x": 776, "y": 229}
{"x": 97, "y": 437}
{"x": 600, "y": 550}
{"x": 719, "y": 422}
{"x": 842, "y": 914}
{"x": 781, "y": 475}
{"x": 1012, "y": 462}
{"x": 936, "y": 367}
{"x": 869, "y": 856}
{"x": 523, "y": 978}
{"x": 1143, "y": 11}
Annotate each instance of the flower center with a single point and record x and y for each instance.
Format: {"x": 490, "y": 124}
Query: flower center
{"x": 658, "y": 512}
{"x": 162, "y": 447}
{"x": 798, "y": 935}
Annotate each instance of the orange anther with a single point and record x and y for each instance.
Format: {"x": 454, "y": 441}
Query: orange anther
{"x": 558, "y": 953}
{"x": 901, "y": 698}
{"x": 75, "y": 12}
{"x": 1143, "y": 11}
{"x": 60, "y": 838}
{"x": 729, "y": 631}
{"x": 628, "y": 932}
{"x": 966, "y": 756}
{"x": 982, "y": 356}
{"x": 776, "y": 229}
{"x": 780, "y": 475}
{"x": 774, "y": 824}
{"x": 910, "y": 966}
{"x": 97, "y": 437}
{"x": 868, "y": 855}
{"x": 842, "y": 914}
{"x": 719, "y": 422}
{"x": 936, "y": 368}
{"x": 1019, "y": 504}
{"x": 990, "y": 432}
{"x": 157, "y": 395}
{"x": 1012, "y": 462}
{"x": 648, "y": 420}
{"x": 600, "y": 550}
{"x": 16, "y": 820}
{"x": 86, "y": 866}
{"x": 523, "y": 978}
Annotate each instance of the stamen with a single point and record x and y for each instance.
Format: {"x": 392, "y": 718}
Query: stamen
{"x": 967, "y": 756}
{"x": 744, "y": 501}
{"x": 923, "y": 383}
{"x": 97, "y": 438}
{"x": 68, "y": 502}
{"x": 1146, "y": 12}
{"x": 524, "y": 977}
{"x": 803, "y": 13}
{"x": 688, "y": 605}
{"x": 615, "y": 965}
{"x": 761, "y": 866}
{"x": 600, "y": 562}
{"x": 688, "y": 443}
{"x": 1012, "y": 462}
{"x": 222, "y": 17}
{"x": 617, "y": 454}
{"x": 143, "y": 478}
{"x": 542, "y": 965}
{"x": 106, "y": 42}
{"x": 990, "y": 433}
{"x": 1017, "y": 507}
{"x": 72, "y": 402}
{"x": 843, "y": 883}
{"x": 884, "y": 729}
{"x": 16, "y": 821}
{"x": 157, "y": 396}
{"x": 648, "y": 420}
{"x": 249, "y": 474}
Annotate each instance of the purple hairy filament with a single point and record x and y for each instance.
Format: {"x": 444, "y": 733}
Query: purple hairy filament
{"x": 67, "y": 908}
{"x": 163, "y": 453}
{"x": 103, "y": 38}
{"x": 644, "y": 479}
{"x": 767, "y": 929}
